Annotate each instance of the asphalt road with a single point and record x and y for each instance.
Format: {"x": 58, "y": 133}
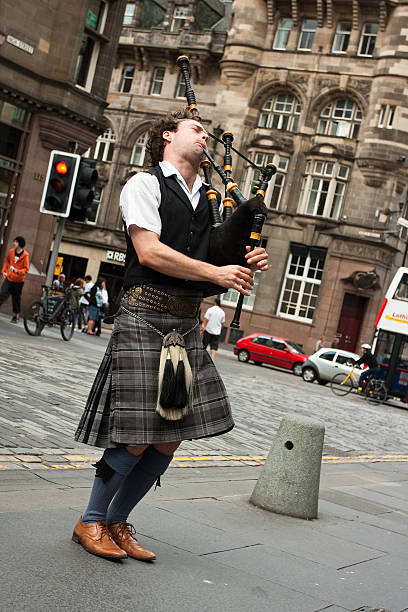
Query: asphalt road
{"x": 46, "y": 381}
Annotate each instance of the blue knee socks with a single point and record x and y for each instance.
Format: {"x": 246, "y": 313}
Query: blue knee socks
{"x": 135, "y": 486}
{"x": 111, "y": 471}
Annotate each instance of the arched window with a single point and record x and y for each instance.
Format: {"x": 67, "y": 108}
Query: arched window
{"x": 341, "y": 117}
{"x": 281, "y": 113}
{"x": 103, "y": 148}
{"x": 139, "y": 150}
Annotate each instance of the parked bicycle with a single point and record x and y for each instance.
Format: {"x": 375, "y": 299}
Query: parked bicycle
{"x": 52, "y": 309}
{"x": 374, "y": 389}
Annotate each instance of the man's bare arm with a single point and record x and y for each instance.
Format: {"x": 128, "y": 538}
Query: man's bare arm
{"x": 162, "y": 258}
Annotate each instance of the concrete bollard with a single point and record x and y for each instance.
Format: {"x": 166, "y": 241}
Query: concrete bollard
{"x": 289, "y": 481}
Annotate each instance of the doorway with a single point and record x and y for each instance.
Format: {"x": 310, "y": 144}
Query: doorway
{"x": 351, "y": 319}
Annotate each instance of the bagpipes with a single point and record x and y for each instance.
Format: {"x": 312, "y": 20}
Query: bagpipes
{"x": 229, "y": 235}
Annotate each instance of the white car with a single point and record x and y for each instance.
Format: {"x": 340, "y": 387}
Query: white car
{"x": 326, "y": 362}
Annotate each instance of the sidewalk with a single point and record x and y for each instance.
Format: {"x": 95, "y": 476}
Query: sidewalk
{"x": 215, "y": 551}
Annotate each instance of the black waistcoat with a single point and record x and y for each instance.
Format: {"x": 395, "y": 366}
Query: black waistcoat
{"x": 183, "y": 229}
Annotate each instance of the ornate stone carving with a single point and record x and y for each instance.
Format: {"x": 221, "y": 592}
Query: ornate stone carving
{"x": 236, "y": 72}
{"x": 362, "y": 250}
{"x": 363, "y": 86}
{"x": 375, "y": 172}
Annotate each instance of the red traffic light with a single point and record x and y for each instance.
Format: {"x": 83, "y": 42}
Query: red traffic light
{"x": 61, "y": 167}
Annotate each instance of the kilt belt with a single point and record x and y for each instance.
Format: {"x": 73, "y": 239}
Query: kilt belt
{"x": 160, "y": 301}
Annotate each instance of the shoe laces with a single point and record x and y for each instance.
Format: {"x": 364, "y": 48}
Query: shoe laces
{"x": 104, "y": 530}
{"x": 126, "y": 528}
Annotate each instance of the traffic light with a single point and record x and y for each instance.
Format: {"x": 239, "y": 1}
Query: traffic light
{"x": 60, "y": 183}
{"x": 82, "y": 203}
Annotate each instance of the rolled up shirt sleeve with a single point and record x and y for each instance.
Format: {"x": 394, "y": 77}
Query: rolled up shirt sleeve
{"x": 140, "y": 201}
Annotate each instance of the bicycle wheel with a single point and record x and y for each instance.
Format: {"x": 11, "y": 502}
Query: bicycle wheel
{"x": 34, "y": 318}
{"x": 67, "y": 324}
{"x": 341, "y": 384}
{"x": 376, "y": 391}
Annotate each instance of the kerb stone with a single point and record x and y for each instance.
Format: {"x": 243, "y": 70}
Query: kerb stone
{"x": 289, "y": 481}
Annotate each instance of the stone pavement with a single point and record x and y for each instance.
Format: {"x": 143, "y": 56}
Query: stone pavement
{"x": 45, "y": 382}
{"x": 215, "y": 551}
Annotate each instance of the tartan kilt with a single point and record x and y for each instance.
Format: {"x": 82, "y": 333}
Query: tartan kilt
{"x": 121, "y": 407}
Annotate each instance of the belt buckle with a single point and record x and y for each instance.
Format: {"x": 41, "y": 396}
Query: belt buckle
{"x": 180, "y": 307}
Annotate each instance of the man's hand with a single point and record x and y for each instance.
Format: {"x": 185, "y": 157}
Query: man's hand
{"x": 257, "y": 258}
{"x": 4, "y": 274}
{"x": 234, "y": 277}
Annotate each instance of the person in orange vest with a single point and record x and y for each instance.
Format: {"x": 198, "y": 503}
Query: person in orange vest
{"x": 14, "y": 272}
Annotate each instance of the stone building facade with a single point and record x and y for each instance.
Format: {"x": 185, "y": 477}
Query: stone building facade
{"x": 56, "y": 68}
{"x": 318, "y": 88}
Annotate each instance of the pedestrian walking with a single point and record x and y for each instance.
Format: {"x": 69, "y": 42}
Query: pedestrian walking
{"x": 211, "y": 327}
{"x": 14, "y": 271}
{"x": 104, "y": 310}
{"x": 83, "y": 304}
{"x": 76, "y": 291}
{"x": 319, "y": 344}
{"x": 95, "y": 298}
{"x": 156, "y": 385}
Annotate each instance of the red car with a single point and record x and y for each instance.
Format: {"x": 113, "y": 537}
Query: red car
{"x": 263, "y": 348}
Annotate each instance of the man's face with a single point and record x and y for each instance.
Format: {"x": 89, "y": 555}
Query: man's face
{"x": 189, "y": 140}
{"x": 62, "y": 278}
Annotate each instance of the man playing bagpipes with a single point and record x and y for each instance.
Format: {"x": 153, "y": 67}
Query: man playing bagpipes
{"x": 157, "y": 385}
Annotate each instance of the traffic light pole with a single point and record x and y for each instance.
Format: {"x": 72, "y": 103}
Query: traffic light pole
{"x": 55, "y": 250}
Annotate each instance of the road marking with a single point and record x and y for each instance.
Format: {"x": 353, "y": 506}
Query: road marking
{"x": 185, "y": 461}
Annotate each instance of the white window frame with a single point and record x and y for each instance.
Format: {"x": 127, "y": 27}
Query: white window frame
{"x": 366, "y": 38}
{"x": 277, "y": 183}
{"x": 386, "y": 116}
{"x": 181, "y": 87}
{"x": 157, "y": 80}
{"x": 323, "y": 177}
{"x": 306, "y": 282}
{"x": 230, "y": 298}
{"x": 124, "y": 79}
{"x": 282, "y": 34}
{"x": 104, "y": 142}
{"x": 270, "y": 112}
{"x": 341, "y": 38}
{"x": 347, "y": 119}
{"x": 129, "y": 15}
{"x": 87, "y": 221}
{"x": 308, "y": 31}
{"x": 140, "y": 142}
{"x": 180, "y": 14}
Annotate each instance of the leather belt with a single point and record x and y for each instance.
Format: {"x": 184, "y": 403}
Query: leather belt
{"x": 160, "y": 301}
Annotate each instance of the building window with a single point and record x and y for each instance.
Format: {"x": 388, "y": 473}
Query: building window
{"x": 157, "y": 82}
{"x": 342, "y": 37}
{"x": 302, "y": 281}
{"x": 307, "y": 34}
{"x": 129, "y": 13}
{"x": 103, "y": 148}
{"x": 180, "y": 16}
{"x": 282, "y": 34}
{"x": 281, "y": 113}
{"x": 230, "y": 298}
{"x": 276, "y": 185}
{"x": 96, "y": 16}
{"x": 386, "y": 117}
{"x": 340, "y": 118}
{"x": 367, "y": 40}
{"x": 323, "y": 188}
{"x": 92, "y": 212}
{"x": 90, "y": 45}
{"x": 181, "y": 87}
{"x": 139, "y": 150}
{"x": 127, "y": 78}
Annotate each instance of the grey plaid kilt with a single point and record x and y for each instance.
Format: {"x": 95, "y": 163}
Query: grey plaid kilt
{"x": 122, "y": 401}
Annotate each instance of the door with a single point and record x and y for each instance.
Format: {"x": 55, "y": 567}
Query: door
{"x": 280, "y": 355}
{"x": 351, "y": 319}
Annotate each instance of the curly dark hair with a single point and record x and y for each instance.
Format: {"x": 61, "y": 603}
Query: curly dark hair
{"x": 155, "y": 143}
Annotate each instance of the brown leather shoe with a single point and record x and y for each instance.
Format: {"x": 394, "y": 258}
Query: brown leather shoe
{"x": 123, "y": 534}
{"x": 95, "y": 538}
